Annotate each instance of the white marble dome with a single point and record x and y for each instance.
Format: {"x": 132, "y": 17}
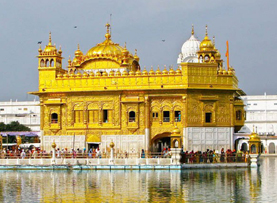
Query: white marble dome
{"x": 189, "y": 50}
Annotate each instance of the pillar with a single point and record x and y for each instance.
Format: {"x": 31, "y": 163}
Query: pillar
{"x": 147, "y": 124}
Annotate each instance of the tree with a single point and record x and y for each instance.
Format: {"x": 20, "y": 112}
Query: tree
{"x": 2, "y": 127}
{"x": 16, "y": 126}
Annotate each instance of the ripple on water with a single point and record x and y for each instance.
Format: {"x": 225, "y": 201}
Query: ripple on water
{"x": 209, "y": 185}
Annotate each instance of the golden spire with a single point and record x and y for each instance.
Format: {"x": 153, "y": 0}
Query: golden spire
{"x": 206, "y": 30}
{"x": 108, "y": 34}
{"x": 192, "y": 30}
{"x": 125, "y": 45}
{"x": 50, "y": 39}
{"x": 214, "y": 40}
{"x": 78, "y": 46}
{"x": 136, "y": 52}
{"x": 108, "y": 28}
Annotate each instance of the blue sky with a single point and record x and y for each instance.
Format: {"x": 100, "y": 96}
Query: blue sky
{"x": 248, "y": 25}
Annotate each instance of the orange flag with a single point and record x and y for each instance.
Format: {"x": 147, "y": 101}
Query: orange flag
{"x": 227, "y": 54}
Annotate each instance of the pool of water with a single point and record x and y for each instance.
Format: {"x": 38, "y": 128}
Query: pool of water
{"x": 209, "y": 185}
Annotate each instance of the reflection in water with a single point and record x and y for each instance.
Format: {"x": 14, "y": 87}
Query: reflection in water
{"x": 224, "y": 185}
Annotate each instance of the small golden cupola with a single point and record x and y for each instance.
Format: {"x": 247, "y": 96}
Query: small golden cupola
{"x": 50, "y": 56}
{"x": 49, "y": 48}
{"x": 207, "y": 51}
{"x": 78, "y": 52}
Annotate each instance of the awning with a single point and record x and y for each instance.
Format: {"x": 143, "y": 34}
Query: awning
{"x": 93, "y": 139}
{"x": 27, "y": 134}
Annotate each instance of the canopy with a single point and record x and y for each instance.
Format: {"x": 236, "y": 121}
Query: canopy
{"x": 24, "y": 133}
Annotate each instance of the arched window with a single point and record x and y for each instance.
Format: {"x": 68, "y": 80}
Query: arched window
{"x": 42, "y": 63}
{"x": 132, "y": 116}
{"x": 238, "y": 115}
{"x": 47, "y": 63}
{"x": 253, "y": 149}
{"x": 51, "y": 63}
{"x": 54, "y": 118}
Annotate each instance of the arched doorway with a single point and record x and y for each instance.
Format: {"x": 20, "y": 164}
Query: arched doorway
{"x": 271, "y": 148}
{"x": 244, "y": 147}
{"x": 160, "y": 141}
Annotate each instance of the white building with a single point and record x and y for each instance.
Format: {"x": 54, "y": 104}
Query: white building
{"x": 261, "y": 113}
{"x": 25, "y": 112}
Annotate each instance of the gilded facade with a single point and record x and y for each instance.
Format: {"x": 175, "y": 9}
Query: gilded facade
{"x": 105, "y": 96}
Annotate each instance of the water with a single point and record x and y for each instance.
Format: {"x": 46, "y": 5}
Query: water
{"x": 224, "y": 185}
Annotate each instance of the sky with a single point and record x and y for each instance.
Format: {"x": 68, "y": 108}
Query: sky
{"x": 248, "y": 25}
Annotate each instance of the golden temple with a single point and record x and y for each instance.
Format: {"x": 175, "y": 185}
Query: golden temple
{"x": 104, "y": 96}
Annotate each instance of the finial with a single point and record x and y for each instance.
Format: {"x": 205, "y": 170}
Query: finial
{"x": 192, "y": 30}
{"x": 151, "y": 67}
{"x": 108, "y": 28}
{"x": 125, "y": 45}
{"x": 206, "y": 30}
{"x": 144, "y": 67}
{"x": 69, "y": 58}
{"x": 158, "y": 67}
{"x": 60, "y": 49}
{"x": 136, "y": 51}
{"x": 78, "y": 47}
{"x": 214, "y": 40}
{"x": 256, "y": 129}
{"x": 50, "y": 39}
{"x": 164, "y": 66}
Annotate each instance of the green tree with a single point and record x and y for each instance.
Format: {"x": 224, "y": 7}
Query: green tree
{"x": 2, "y": 127}
{"x": 16, "y": 126}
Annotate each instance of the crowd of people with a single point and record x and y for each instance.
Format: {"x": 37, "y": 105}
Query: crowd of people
{"x": 213, "y": 156}
{"x": 38, "y": 153}
{"x": 208, "y": 156}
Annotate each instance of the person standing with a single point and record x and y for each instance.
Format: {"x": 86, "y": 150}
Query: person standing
{"x": 142, "y": 153}
{"x": 23, "y": 154}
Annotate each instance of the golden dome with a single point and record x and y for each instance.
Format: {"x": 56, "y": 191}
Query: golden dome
{"x": 144, "y": 72}
{"x": 138, "y": 72}
{"x": 98, "y": 74}
{"x": 78, "y": 52}
{"x": 254, "y": 137}
{"x": 165, "y": 72}
{"x": 217, "y": 55}
{"x": 111, "y": 73}
{"x": 178, "y": 71}
{"x": 59, "y": 75}
{"x": 104, "y": 73}
{"x": 176, "y": 131}
{"x": 107, "y": 48}
{"x": 79, "y": 75}
{"x": 125, "y": 73}
{"x": 85, "y": 74}
{"x": 136, "y": 56}
{"x": 112, "y": 144}
{"x": 206, "y": 44}
{"x": 171, "y": 71}
{"x": 91, "y": 74}
{"x": 151, "y": 72}
{"x": 132, "y": 73}
{"x": 118, "y": 73}
{"x": 50, "y": 47}
{"x": 158, "y": 71}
